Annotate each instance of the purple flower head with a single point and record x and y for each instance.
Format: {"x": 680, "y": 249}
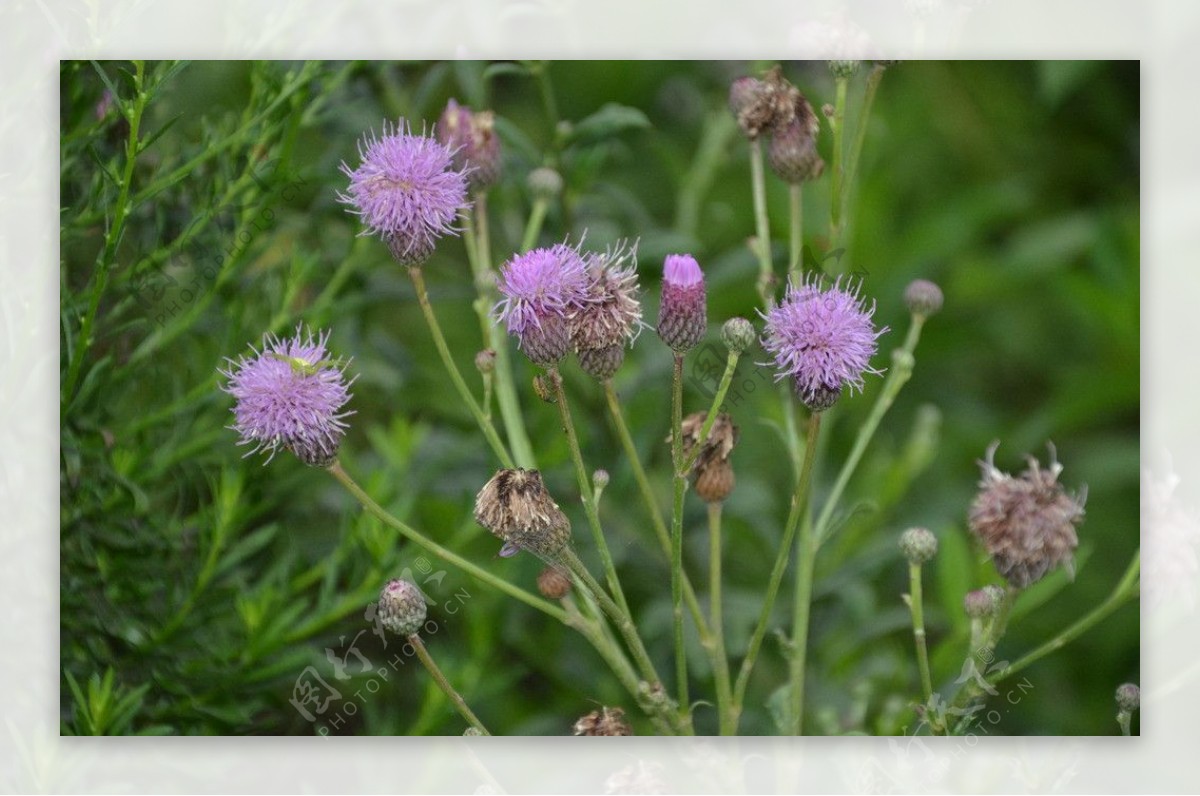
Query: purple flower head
{"x": 612, "y": 315}
{"x": 683, "y": 311}
{"x": 289, "y": 395}
{"x": 542, "y": 290}
{"x": 406, "y": 190}
{"x": 471, "y": 138}
{"x": 822, "y": 338}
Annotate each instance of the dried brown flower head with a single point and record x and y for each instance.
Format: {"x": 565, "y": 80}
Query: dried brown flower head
{"x": 763, "y": 105}
{"x": 516, "y": 507}
{"x": 712, "y": 472}
{"x": 1026, "y": 523}
{"x": 605, "y": 721}
{"x": 553, "y": 583}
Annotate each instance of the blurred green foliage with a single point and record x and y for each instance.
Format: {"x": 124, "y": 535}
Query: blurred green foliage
{"x": 198, "y": 585}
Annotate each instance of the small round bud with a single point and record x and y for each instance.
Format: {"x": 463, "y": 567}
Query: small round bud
{"x": 828, "y": 110}
{"x": 553, "y": 583}
{"x": 923, "y": 297}
{"x": 995, "y": 594}
{"x": 715, "y": 481}
{"x": 485, "y": 361}
{"x": 544, "y": 183}
{"x": 843, "y": 69}
{"x": 738, "y": 335}
{"x": 918, "y": 545}
{"x": 979, "y": 604}
{"x": 600, "y": 479}
{"x": 819, "y": 399}
{"x": 401, "y": 607}
{"x": 1129, "y": 697}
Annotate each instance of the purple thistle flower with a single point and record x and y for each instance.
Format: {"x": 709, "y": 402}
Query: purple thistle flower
{"x": 406, "y": 190}
{"x": 822, "y": 339}
{"x": 542, "y": 290}
{"x": 683, "y": 311}
{"x": 289, "y": 396}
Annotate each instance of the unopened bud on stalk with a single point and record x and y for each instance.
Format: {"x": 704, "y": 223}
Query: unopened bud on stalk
{"x": 819, "y": 398}
{"x": 600, "y": 479}
{"x": 485, "y": 361}
{"x": 1129, "y": 697}
{"x": 544, "y": 183}
{"x": 979, "y": 604}
{"x": 605, "y": 721}
{"x": 401, "y": 607}
{"x": 738, "y": 335}
{"x": 472, "y": 139}
{"x": 843, "y": 69}
{"x": 553, "y": 583}
{"x": 923, "y": 297}
{"x": 918, "y": 545}
{"x": 683, "y": 312}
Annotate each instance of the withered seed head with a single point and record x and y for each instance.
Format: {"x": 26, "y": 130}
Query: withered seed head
{"x": 712, "y": 472}
{"x": 1026, "y": 523}
{"x": 516, "y": 507}
{"x": 762, "y": 105}
{"x": 605, "y": 721}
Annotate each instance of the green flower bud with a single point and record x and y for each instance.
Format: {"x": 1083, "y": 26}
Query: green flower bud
{"x": 918, "y": 545}
{"x": 738, "y": 335}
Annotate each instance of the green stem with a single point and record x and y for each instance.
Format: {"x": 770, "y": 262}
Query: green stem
{"x": 916, "y": 606}
{"x": 837, "y": 179}
{"x": 721, "y": 673}
{"x": 444, "y": 554}
{"x": 1124, "y": 717}
{"x": 121, "y": 212}
{"x": 900, "y": 373}
{"x": 459, "y": 703}
{"x": 585, "y": 490}
{"x": 623, "y": 624}
{"x": 464, "y": 392}
{"x": 799, "y": 499}
{"x": 796, "y": 236}
{"x": 679, "y": 484}
{"x": 806, "y": 562}
{"x": 762, "y": 229}
{"x": 1126, "y": 589}
{"x": 731, "y": 362}
{"x": 656, "y": 518}
{"x": 860, "y": 132}
{"x": 533, "y": 228}
{"x": 479, "y": 253}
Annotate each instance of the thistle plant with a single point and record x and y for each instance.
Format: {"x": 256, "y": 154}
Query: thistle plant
{"x": 590, "y": 513}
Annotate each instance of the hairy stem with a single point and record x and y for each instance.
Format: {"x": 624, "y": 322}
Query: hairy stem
{"x": 916, "y": 607}
{"x": 796, "y": 236}
{"x": 679, "y": 484}
{"x": 460, "y": 704}
{"x": 762, "y": 229}
{"x": 837, "y": 178}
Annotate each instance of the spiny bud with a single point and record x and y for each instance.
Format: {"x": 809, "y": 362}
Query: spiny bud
{"x": 516, "y": 507}
{"x": 843, "y": 69}
{"x": 738, "y": 335}
{"x": 1027, "y": 523}
{"x": 978, "y": 604}
{"x": 1129, "y": 697}
{"x": 819, "y": 398}
{"x": 923, "y": 297}
{"x": 544, "y": 183}
{"x": 485, "y": 361}
{"x": 553, "y": 583}
{"x": 683, "y": 311}
{"x": 401, "y": 607}
{"x": 918, "y": 545}
{"x": 605, "y": 721}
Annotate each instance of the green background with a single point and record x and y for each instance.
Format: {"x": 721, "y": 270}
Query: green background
{"x": 198, "y": 585}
